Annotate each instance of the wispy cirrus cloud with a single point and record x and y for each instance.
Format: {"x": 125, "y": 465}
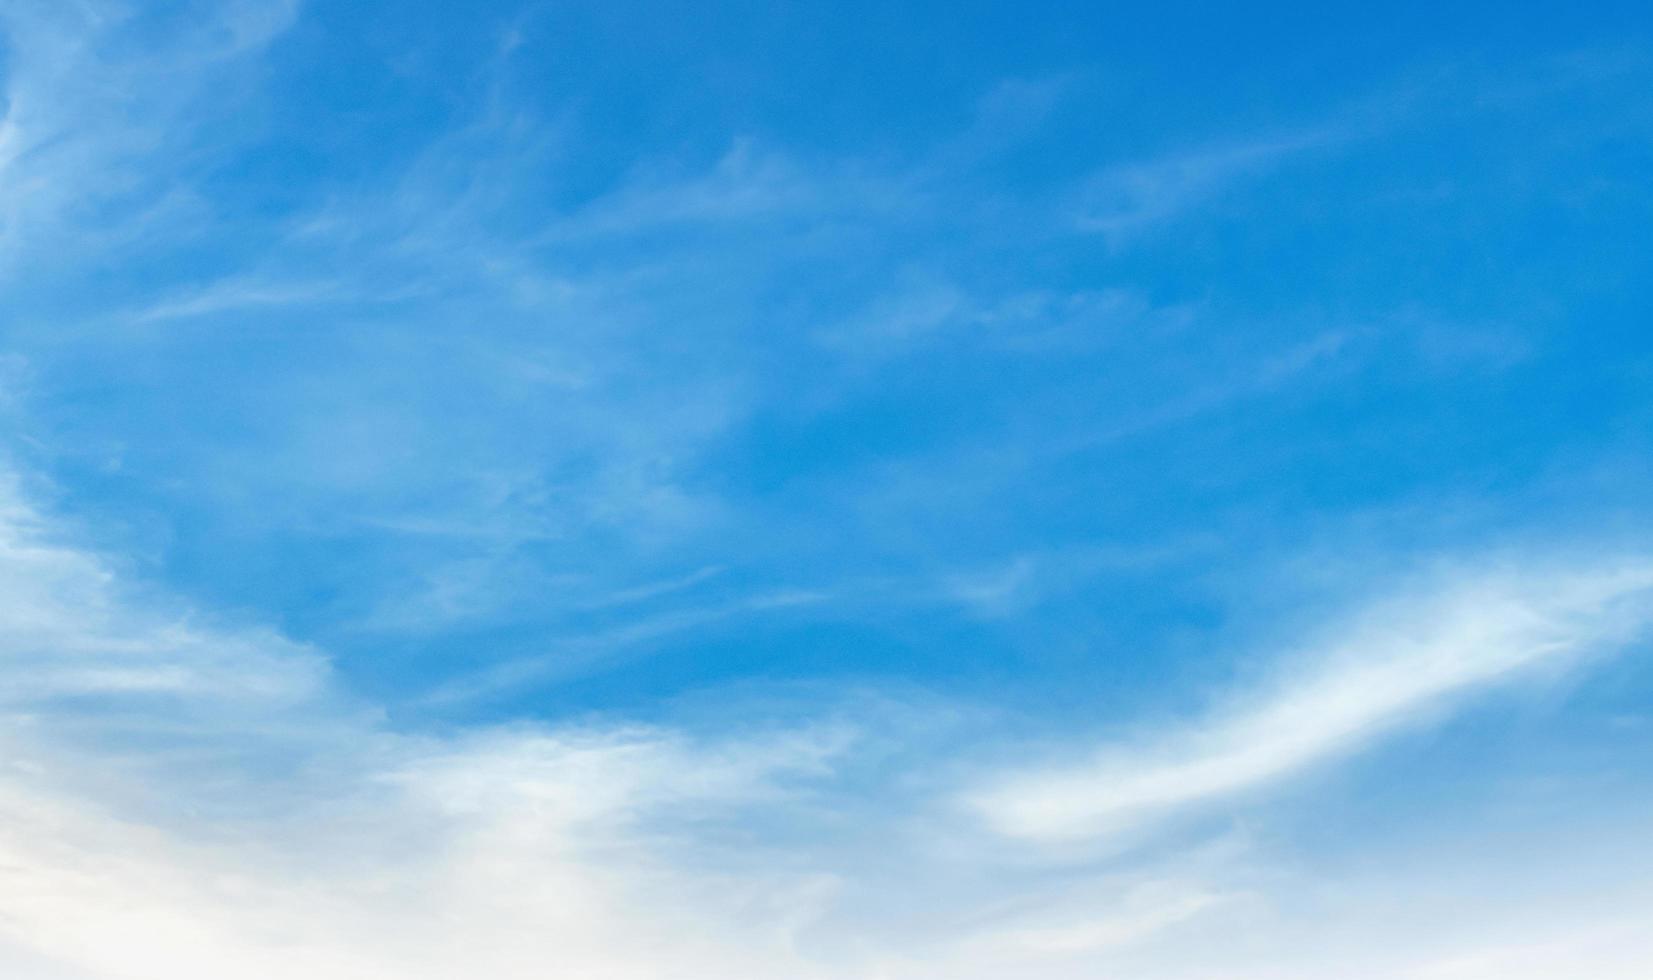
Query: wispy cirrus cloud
{"x": 94, "y": 118}
{"x": 278, "y": 826}
{"x": 70, "y": 631}
{"x": 245, "y": 294}
{"x": 1393, "y": 662}
{"x": 1127, "y": 200}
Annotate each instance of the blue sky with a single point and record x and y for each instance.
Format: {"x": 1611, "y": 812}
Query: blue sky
{"x": 855, "y": 491}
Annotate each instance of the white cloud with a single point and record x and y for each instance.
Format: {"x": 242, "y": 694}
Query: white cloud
{"x": 206, "y": 805}
{"x": 1616, "y": 948}
{"x": 1397, "y": 659}
{"x": 251, "y": 820}
{"x": 68, "y": 627}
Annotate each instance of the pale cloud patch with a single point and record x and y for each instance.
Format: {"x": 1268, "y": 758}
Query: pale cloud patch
{"x": 1393, "y": 662}
{"x": 243, "y": 294}
{"x": 262, "y": 825}
{"x": 934, "y": 311}
{"x": 89, "y": 110}
{"x": 575, "y": 655}
{"x": 1125, "y": 201}
{"x": 68, "y": 627}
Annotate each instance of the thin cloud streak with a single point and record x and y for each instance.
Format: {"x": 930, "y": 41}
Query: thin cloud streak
{"x": 1398, "y": 659}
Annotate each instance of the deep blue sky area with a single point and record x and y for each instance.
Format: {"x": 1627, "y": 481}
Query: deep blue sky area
{"x": 993, "y": 334}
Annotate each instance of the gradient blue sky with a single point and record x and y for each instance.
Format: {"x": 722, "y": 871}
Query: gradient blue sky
{"x": 900, "y": 491}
